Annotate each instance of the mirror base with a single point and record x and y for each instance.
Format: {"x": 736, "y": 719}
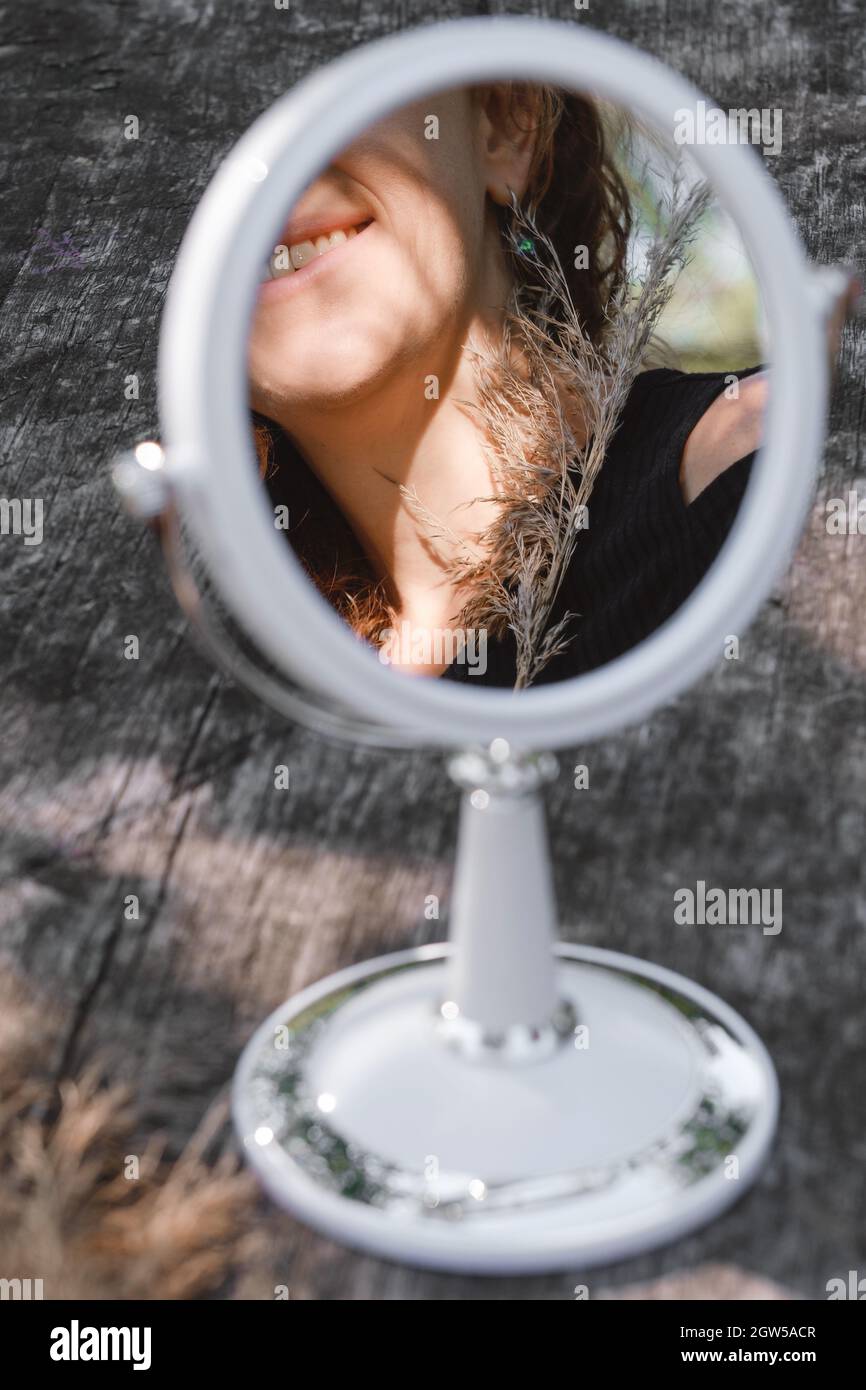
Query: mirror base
{"x": 360, "y": 1119}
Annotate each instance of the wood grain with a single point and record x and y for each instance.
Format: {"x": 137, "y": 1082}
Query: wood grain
{"x": 154, "y": 777}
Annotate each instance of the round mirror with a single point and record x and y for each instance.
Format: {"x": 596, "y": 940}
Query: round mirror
{"x": 492, "y": 383}
{"x": 239, "y": 228}
{"x": 508, "y": 374}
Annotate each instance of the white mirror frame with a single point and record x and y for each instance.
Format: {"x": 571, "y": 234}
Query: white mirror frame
{"x": 210, "y": 462}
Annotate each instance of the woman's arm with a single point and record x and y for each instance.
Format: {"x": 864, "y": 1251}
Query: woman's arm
{"x": 732, "y": 428}
{"x": 727, "y": 431}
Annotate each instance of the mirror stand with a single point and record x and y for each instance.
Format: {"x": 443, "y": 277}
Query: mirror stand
{"x": 502, "y": 999}
{"x": 503, "y": 1103}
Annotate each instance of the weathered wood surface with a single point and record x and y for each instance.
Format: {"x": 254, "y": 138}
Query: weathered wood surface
{"x": 154, "y": 777}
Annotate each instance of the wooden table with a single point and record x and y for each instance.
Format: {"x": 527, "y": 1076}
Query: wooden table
{"x": 154, "y": 777}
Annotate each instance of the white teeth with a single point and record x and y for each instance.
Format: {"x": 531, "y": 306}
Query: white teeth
{"x": 302, "y": 253}
{"x": 287, "y": 259}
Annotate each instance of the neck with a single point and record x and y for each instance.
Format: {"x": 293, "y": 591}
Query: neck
{"x": 413, "y": 431}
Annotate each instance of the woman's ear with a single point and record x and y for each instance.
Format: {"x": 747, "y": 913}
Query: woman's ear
{"x": 508, "y": 131}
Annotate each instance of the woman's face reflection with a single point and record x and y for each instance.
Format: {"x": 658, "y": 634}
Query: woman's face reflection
{"x": 449, "y": 377}
{"x": 385, "y": 262}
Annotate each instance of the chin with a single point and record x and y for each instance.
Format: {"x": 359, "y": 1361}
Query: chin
{"x": 349, "y": 371}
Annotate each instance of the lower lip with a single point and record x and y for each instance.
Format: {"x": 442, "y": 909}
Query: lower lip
{"x": 286, "y": 285}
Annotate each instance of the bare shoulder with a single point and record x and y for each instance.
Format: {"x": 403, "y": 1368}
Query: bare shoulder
{"x": 728, "y": 430}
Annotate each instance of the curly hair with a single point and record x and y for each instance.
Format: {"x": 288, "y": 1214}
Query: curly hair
{"x": 577, "y": 198}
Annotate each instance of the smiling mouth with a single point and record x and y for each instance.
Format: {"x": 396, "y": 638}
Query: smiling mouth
{"x": 289, "y": 259}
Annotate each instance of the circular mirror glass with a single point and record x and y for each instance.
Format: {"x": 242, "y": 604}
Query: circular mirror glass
{"x": 508, "y": 371}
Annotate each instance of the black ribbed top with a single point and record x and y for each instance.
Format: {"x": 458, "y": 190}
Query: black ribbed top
{"x": 644, "y": 550}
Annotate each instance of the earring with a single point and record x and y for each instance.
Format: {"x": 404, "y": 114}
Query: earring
{"x": 523, "y": 245}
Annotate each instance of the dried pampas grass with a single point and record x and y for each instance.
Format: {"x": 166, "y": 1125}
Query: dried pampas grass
{"x": 549, "y": 400}
{"x": 71, "y": 1213}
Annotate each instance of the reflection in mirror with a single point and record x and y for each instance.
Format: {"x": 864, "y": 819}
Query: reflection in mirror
{"x": 507, "y": 380}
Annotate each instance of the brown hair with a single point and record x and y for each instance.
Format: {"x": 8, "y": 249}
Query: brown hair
{"x": 576, "y": 197}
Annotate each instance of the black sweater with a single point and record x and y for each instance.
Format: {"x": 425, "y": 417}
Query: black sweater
{"x": 645, "y": 549}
